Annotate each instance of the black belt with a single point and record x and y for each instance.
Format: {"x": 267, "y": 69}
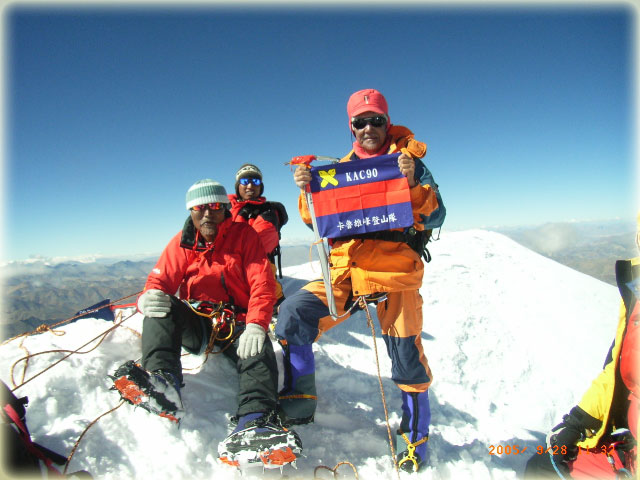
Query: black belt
{"x": 387, "y": 235}
{"x": 410, "y": 236}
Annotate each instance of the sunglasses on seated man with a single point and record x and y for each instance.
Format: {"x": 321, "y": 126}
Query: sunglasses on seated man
{"x": 377, "y": 121}
{"x": 247, "y": 181}
{"x": 210, "y": 206}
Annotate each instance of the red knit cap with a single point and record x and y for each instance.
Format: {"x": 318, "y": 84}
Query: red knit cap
{"x": 368, "y": 100}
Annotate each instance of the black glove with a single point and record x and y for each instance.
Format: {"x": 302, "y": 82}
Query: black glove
{"x": 573, "y": 429}
{"x": 272, "y": 217}
{"x": 564, "y": 442}
{"x": 249, "y": 211}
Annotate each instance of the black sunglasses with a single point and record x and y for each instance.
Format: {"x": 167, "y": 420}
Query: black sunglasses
{"x": 245, "y": 181}
{"x": 377, "y": 121}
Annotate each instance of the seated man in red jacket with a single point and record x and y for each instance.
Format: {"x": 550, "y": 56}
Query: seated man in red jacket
{"x": 214, "y": 260}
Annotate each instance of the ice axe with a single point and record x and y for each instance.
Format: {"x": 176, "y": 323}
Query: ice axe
{"x": 319, "y": 241}
{"x": 307, "y": 159}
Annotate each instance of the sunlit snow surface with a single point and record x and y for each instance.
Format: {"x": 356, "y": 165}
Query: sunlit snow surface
{"x": 512, "y": 338}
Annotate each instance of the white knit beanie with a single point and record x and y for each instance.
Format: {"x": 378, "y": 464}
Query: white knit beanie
{"x": 206, "y": 191}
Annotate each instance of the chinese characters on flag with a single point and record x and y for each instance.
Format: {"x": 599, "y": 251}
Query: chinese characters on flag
{"x": 360, "y": 196}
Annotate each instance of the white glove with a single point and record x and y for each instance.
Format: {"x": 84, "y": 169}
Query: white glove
{"x": 154, "y": 303}
{"x": 251, "y": 341}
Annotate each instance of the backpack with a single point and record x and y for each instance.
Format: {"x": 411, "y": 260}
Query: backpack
{"x": 275, "y": 213}
{"x": 21, "y": 454}
{"x": 418, "y": 239}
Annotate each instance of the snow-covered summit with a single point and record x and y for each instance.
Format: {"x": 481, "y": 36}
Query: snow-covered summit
{"x": 512, "y": 338}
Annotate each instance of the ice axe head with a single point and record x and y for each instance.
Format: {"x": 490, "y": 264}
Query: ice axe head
{"x": 302, "y": 160}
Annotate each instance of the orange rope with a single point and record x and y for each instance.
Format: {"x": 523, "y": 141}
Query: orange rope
{"x": 70, "y": 352}
{"x": 75, "y": 446}
{"x": 311, "y": 252}
{"x": 365, "y": 307}
{"x": 335, "y": 469}
{"x": 118, "y": 321}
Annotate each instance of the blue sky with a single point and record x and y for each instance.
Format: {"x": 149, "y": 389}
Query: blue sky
{"x": 111, "y": 114}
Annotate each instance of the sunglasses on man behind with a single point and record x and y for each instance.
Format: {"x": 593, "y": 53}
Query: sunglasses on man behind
{"x": 210, "y": 206}
{"x": 377, "y": 121}
{"x": 246, "y": 181}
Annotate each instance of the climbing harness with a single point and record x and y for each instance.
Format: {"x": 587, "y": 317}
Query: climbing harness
{"x": 224, "y": 327}
{"x": 624, "y": 448}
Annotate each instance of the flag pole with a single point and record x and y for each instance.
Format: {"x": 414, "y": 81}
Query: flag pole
{"x": 324, "y": 258}
{"x": 319, "y": 241}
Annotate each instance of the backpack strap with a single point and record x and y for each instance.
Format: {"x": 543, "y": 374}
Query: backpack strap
{"x": 275, "y": 213}
{"x": 31, "y": 447}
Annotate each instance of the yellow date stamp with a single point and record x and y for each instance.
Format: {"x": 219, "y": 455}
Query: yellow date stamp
{"x": 506, "y": 449}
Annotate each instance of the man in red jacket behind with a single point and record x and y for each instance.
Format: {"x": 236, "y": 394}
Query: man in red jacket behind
{"x": 248, "y": 205}
{"x": 214, "y": 260}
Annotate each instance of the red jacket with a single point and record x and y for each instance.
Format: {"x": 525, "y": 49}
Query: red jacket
{"x": 266, "y": 229}
{"x": 234, "y": 268}
{"x": 629, "y": 371}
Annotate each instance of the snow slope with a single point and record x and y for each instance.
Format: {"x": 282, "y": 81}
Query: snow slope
{"x": 513, "y": 339}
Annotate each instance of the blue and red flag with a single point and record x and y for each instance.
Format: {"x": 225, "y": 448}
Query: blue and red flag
{"x": 360, "y": 196}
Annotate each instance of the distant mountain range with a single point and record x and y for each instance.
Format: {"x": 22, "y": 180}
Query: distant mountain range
{"x": 588, "y": 247}
{"x": 36, "y": 292}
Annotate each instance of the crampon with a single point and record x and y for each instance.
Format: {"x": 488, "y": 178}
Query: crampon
{"x": 153, "y": 392}
{"x": 261, "y": 442}
{"x": 268, "y": 458}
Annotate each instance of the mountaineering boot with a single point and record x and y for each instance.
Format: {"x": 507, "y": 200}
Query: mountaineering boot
{"x": 260, "y": 438}
{"x": 166, "y": 390}
{"x": 298, "y": 399}
{"x": 157, "y": 392}
{"x": 414, "y": 431}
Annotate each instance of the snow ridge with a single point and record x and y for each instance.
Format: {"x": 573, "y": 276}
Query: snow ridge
{"x": 512, "y": 338}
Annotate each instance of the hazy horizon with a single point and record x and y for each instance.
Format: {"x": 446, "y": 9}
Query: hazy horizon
{"x": 528, "y": 110}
